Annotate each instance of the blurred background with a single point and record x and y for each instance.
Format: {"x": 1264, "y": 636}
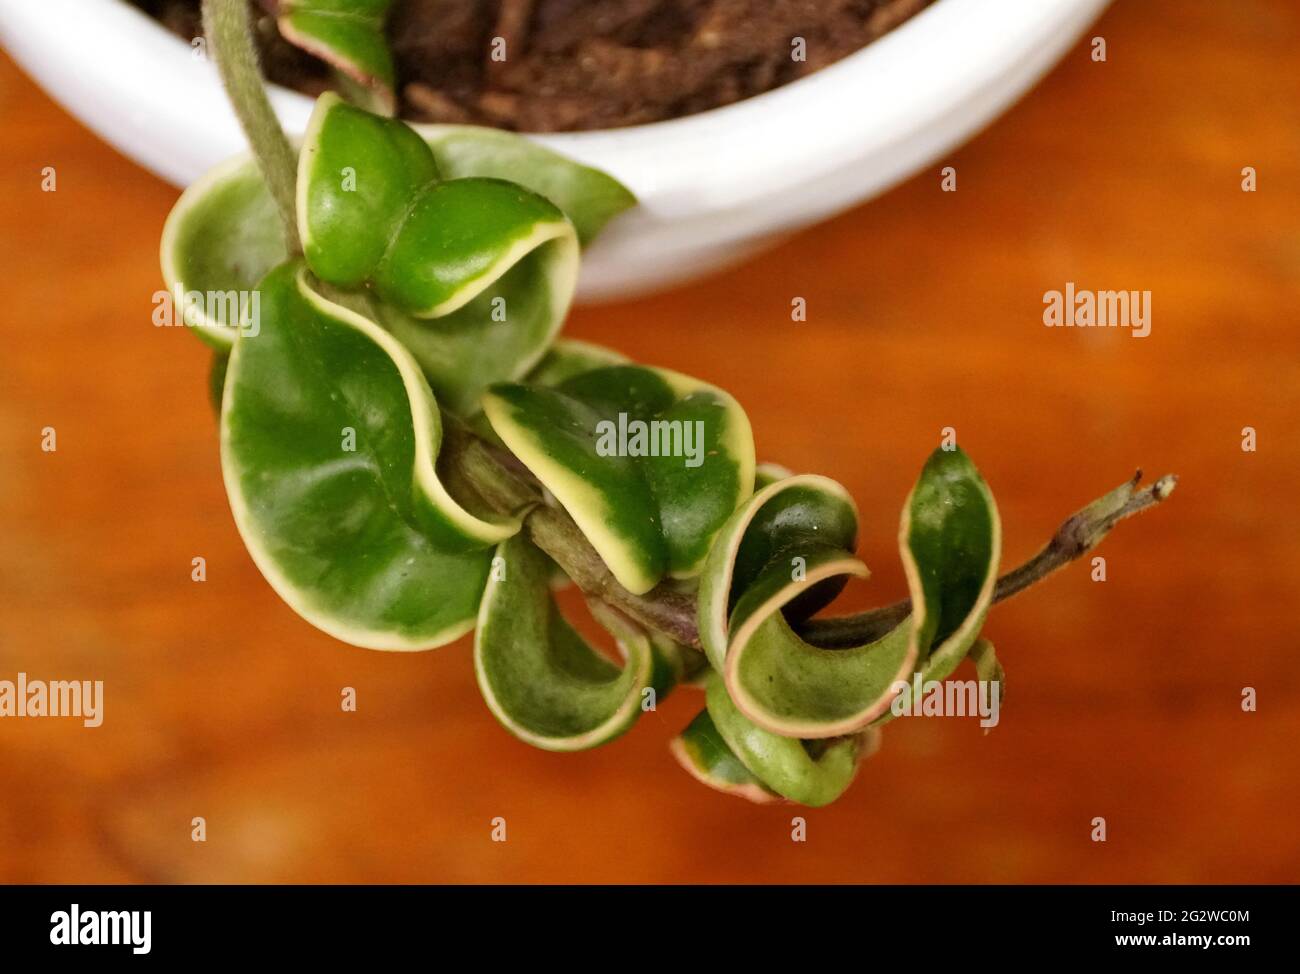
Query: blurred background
{"x": 924, "y": 311}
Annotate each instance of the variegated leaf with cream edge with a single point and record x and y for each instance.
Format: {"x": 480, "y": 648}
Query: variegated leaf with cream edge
{"x": 950, "y": 544}
{"x": 813, "y": 773}
{"x": 648, "y": 516}
{"x": 348, "y": 35}
{"x": 791, "y": 525}
{"x": 589, "y": 197}
{"x": 540, "y": 678}
{"x": 373, "y": 210}
{"x": 809, "y": 506}
{"x": 565, "y": 358}
{"x": 701, "y": 750}
{"x": 569, "y": 357}
{"x": 500, "y": 334}
{"x": 223, "y": 236}
{"x": 367, "y": 544}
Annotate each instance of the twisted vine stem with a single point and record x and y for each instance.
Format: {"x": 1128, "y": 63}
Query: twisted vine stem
{"x": 1079, "y": 534}
{"x": 503, "y": 484}
{"x": 672, "y": 611}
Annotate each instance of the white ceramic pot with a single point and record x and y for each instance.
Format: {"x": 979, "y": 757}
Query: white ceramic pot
{"x": 714, "y": 187}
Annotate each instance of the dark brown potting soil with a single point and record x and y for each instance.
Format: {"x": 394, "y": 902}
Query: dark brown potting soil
{"x": 587, "y": 64}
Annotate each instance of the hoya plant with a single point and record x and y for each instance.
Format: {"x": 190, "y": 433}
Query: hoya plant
{"x": 412, "y": 453}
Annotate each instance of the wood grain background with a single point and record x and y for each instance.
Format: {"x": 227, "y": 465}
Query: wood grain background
{"x": 923, "y": 311}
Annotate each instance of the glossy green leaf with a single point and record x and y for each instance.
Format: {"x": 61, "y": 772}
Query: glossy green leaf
{"x": 544, "y": 683}
{"x": 648, "y": 462}
{"x": 499, "y": 335}
{"x": 565, "y": 358}
{"x": 357, "y": 176}
{"x": 223, "y": 235}
{"x": 949, "y": 541}
{"x": 773, "y": 528}
{"x": 590, "y": 197}
{"x": 810, "y": 773}
{"x": 702, "y": 752}
{"x": 329, "y": 442}
{"x": 372, "y": 210}
{"x": 221, "y": 238}
{"x": 349, "y": 36}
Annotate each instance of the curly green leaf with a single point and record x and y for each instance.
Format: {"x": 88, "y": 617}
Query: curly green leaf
{"x": 544, "y": 683}
{"x": 223, "y": 236}
{"x": 810, "y": 773}
{"x": 373, "y": 210}
{"x": 329, "y": 444}
{"x": 649, "y": 463}
{"x": 702, "y": 752}
{"x": 949, "y": 541}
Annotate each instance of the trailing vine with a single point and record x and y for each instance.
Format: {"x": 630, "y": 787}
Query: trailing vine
{"x": 411, "y": 453}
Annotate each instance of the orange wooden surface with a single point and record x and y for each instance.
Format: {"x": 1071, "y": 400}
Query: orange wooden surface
{"x": 923, "y": 312}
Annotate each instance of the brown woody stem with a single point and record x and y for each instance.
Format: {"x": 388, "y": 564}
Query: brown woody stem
{"x": 1080, "y": 533}
{"x": 672, "y": 611}
{"x": 490, "y": 472}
